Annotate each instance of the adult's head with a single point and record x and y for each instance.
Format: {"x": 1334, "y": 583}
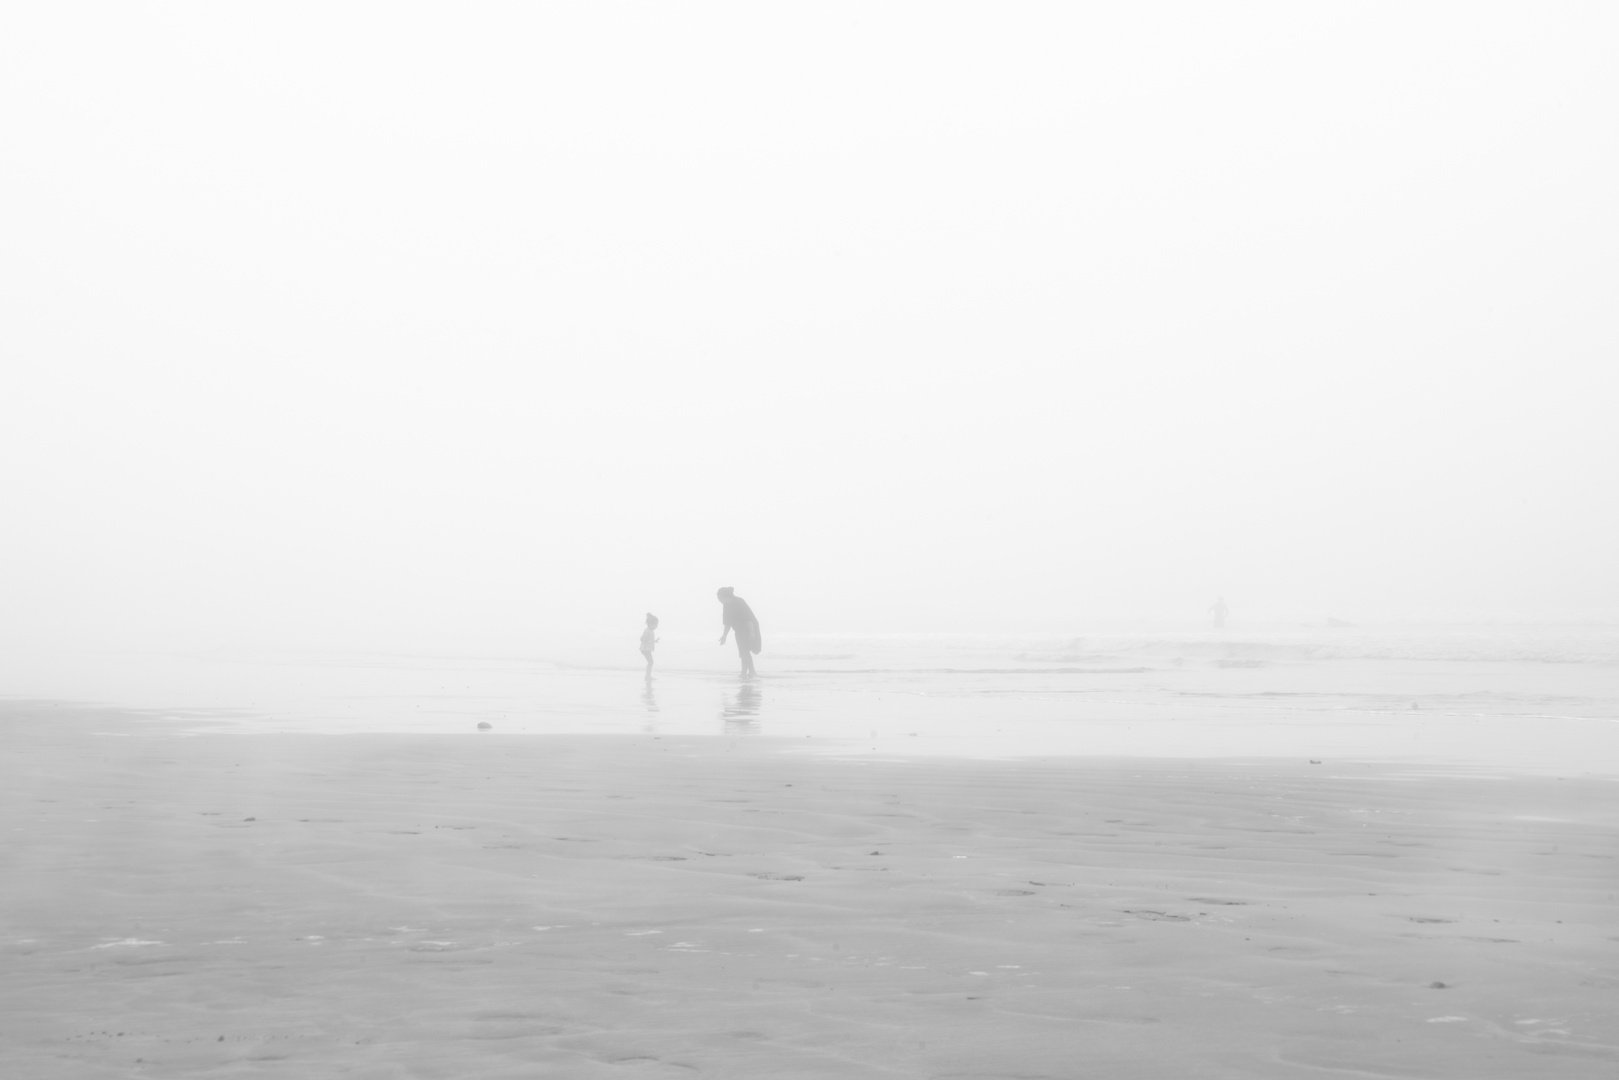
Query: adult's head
{"x": 725, "y": 594}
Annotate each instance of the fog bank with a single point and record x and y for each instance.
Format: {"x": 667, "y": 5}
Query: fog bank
{"x": 369, "y": 326}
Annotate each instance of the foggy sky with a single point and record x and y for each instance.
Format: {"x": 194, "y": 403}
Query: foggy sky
{"x": 466, "y": 324}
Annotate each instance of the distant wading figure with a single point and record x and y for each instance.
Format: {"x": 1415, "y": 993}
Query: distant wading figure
{"x": 648, "y": 641}
{"x": 739, "y": 618}
{"x": 1219, "y": 611}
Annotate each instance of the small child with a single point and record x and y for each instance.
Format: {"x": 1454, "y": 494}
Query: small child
{"x": 648, "y": 642}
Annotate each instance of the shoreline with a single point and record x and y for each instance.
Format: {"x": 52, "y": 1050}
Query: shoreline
{"x": 1447, "y": 744}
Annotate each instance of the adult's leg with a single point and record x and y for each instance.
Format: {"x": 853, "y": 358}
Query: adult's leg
{"x": 744, "y": 652}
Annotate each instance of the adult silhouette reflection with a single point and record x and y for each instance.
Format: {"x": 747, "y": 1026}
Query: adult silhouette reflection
{"x": 740, "y": 711}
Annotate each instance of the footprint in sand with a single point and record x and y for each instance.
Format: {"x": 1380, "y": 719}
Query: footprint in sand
{"x": 127, "y": 943}
{"x": 653, "y": 858}
{"x": 1158, "y": 916}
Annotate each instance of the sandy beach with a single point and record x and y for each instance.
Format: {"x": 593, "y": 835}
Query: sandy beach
{"x": 404, "y": 905}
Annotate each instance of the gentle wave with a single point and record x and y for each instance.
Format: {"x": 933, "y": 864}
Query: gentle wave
{"x": 1600, "y": 648}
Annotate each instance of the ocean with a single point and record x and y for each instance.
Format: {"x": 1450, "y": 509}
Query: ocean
{"x": 1422, "y": 692}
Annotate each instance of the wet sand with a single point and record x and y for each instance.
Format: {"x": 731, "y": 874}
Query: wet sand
{"x": 218, "y": 905}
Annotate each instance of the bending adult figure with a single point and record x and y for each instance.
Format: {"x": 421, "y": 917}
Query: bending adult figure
{"x": 740, "y": 620}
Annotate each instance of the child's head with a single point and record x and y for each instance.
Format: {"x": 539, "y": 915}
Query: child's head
{"x": 651, "y": 620}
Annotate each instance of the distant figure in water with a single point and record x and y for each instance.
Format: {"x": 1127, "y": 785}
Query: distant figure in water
{"x": 740, "y": 619}
{"x": 648, "y": 642}
{"x": 1219, "y": 611}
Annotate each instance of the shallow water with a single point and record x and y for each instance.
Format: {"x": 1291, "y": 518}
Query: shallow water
{"x": 1437, "y": 694}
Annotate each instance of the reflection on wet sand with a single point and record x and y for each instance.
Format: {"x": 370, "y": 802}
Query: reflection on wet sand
{"x": 740, "y": 711}
{"x": 650, "y": 700}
